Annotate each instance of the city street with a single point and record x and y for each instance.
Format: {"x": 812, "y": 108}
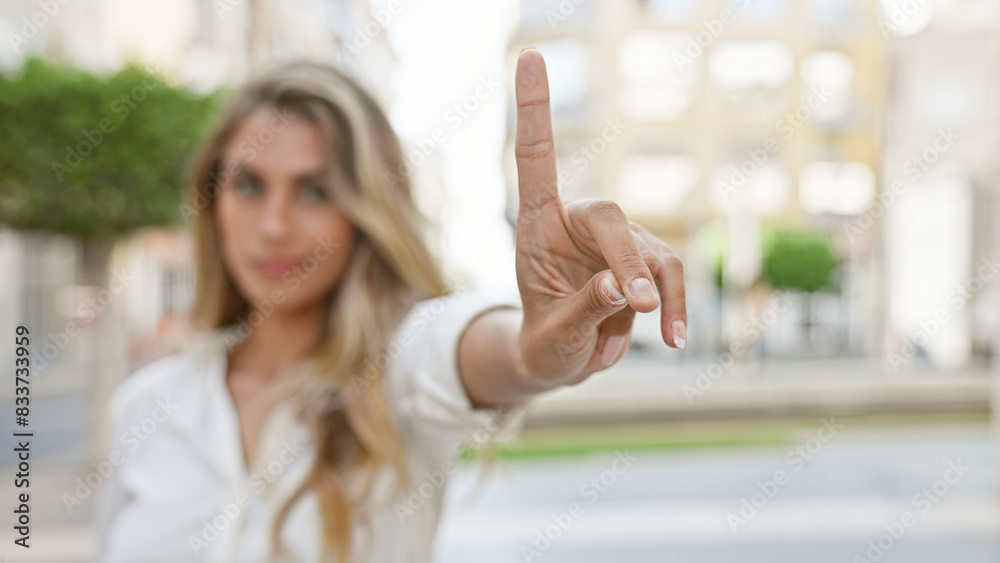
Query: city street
{"x": 755, "y": 244}
{"x": 837, "y": 496}
{"x": 823, "y": 496}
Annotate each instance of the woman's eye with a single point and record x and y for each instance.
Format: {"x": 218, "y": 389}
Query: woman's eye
{"x": 247, "y": 187}
{"x": 315, "y": 194}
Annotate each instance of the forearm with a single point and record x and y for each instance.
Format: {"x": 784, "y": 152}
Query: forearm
{"x": 489, "y": 360}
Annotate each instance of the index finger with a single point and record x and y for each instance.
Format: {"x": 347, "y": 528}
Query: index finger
{"x": 533, "y": 147}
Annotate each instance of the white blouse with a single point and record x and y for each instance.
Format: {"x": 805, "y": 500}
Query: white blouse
{"x": 180, "y": 490}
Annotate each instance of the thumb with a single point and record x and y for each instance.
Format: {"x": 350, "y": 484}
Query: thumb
{"x": 598, "y": 300}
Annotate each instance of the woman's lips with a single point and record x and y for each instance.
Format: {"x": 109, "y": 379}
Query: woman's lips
{"x": 278, "y": 267}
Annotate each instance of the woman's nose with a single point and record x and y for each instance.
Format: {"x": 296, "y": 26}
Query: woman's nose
{"x": 277, "y": 215}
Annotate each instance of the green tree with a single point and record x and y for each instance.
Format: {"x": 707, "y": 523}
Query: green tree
{"x": 96, "y": 157}
{"x": 92, "y": 156}
{"x": 798, "y": 260}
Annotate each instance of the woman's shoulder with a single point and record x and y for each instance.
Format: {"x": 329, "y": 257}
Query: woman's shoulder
{"x": 422, "y": 382}
{"x": 170, "y": 376}
{"x": 156, "y": 374}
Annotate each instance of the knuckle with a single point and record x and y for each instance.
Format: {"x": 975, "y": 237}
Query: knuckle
{"x": 667, "y": 258}
{"x": 596, "y": 305}
{"x": 674, "y": 262}
{"x": 634, "y": 264}
{"x": 537, "y": 149}
{"x": 606, "y": 209}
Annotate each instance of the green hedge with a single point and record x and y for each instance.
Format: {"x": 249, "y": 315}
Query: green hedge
{"x": 89, "y": 155}
{"x": 798, "y": 260}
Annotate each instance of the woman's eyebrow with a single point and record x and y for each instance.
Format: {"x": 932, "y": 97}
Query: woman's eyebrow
{"x": 311, "y": 177}
{"x": 304, "y": 178}
{"x": 245, "y": 168}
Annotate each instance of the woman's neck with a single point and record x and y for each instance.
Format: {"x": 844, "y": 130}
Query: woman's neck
{"x": 282, "y": 340}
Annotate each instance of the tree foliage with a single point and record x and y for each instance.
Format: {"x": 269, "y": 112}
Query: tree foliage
{"x": 799, "y": 260}
{"x": 95, "y": 156}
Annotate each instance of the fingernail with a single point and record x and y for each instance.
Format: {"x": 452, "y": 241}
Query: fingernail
{"x": 616, "y": 298}
{"x": 612, "y": 348}
{"x": 523, "y": 49}
{"x": 680, "y": 334}
{"x": 642, "y": 289}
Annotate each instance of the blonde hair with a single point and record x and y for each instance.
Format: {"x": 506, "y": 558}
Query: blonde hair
{"x": 390, "y": 269}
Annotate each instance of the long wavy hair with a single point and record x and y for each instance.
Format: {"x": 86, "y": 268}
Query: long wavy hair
{"x": 390, "y": 270}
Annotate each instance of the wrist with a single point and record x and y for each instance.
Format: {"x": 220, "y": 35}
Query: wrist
{"x": 529, "y": 381}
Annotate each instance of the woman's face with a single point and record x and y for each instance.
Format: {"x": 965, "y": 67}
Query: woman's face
{"x": 284, "y": 241}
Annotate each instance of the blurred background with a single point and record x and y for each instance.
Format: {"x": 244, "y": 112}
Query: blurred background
{"x": 826, "y": 169}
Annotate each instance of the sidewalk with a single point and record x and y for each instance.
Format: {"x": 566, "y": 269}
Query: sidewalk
{"x": 645, "y": 387}
{"x": 710, "y": 505}
{"x": 57, "y": 535}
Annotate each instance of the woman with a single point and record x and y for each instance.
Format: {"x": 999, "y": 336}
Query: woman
{"x": 321, "y": 414}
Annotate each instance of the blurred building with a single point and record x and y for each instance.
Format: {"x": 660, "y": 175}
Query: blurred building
{"x": 204, "y": 44}
{"x": 709, "y": 121}
{"x": 942, "y": 141}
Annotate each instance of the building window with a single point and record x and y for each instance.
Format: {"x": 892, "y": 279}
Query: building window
{"x": 828, "y": 84}
{"x": 903, "y": 18}
{"x": 554, "y": 14}
{"x": 654, "y": 85}
{"x": 745, "y": 187}
{"x": 832, "y": 13}
{"x": 670, "y": 11}
{"x": 656, "y": 184}
{"x": 757, "y": 11}
{"x": 566, "y": 66}
{"x": 752, "y": 75}
{"x": 839, "y": 188}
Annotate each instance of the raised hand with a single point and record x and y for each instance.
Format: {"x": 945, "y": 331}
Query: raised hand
{"x": 574, "y": 259}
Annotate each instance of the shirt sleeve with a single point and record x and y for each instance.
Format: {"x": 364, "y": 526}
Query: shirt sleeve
{"x": 127, "y": 406}
{"x": 422, "y": 383}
